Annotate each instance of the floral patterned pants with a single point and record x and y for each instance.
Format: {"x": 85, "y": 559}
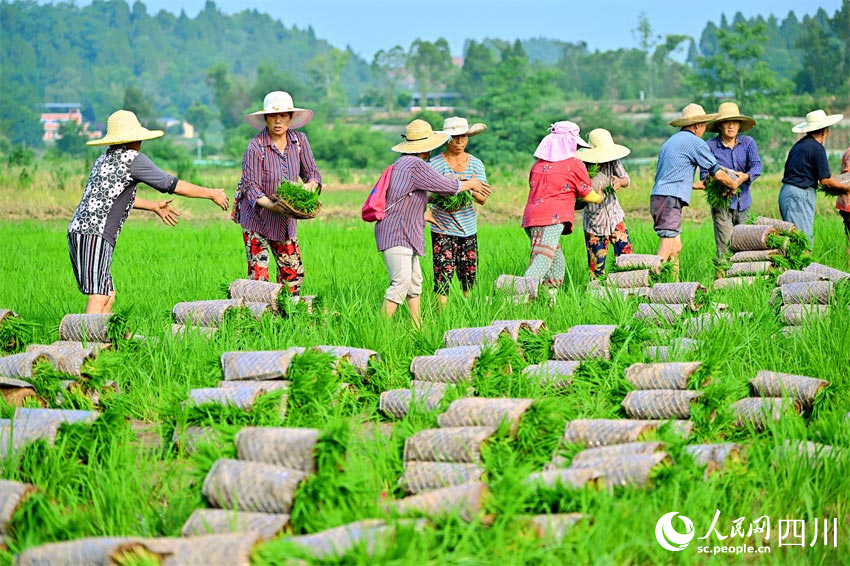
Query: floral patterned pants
{"x": 597, "y": 247}
{"x": 454, "y": 255}
{"x": 287, "y": 256}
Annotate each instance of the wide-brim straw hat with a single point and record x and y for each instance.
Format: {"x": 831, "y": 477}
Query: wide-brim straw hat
{"x": 817, "y": 120}
{"x": 420, "y": 137}
{"x": 276, "y": 102}
{"x": 123, "y": 127}
{"x": 456, "y": 126}
{"x": 728, "y": 112}
{"x": 602, "y": 148}
{"x": 692, "y": 114}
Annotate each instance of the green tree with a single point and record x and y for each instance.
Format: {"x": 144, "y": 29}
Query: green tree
{"x": 478, "y": 60}
{"x": 200, "y": 116}
{"x": 647, "y": 40}
{"x": 71, "y": 140}
{"x": 825, "y": 43}
{"x": 229, "y": 94}
{"x": 388, "y": 69}
{"x": 135, "y": 101}
{"x": 326, "y": 70}
{"x": 430, "y": 64}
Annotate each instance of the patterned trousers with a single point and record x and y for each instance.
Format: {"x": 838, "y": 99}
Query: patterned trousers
{"x": 547, "y": 258}
{"x": 597, "y": 247}
{"x": 287, "y": 256}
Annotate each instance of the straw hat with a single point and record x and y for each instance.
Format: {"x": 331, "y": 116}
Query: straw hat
{"x": 420, "y": 138}
{"x": 123, "y": 127}
{"x": 816, "y": 120}
{"x": 602, "y": 148}
{"x": 692, "y": 114}
{"x": 455, "y": 126}
{"x": 729, "y": 112}
{"x": 274, "y": 103}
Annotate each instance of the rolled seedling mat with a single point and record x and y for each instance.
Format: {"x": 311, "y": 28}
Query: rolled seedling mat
{"x": 425, "y": 476}
{"x": 697, "y": 325}
{"x": 812, "y": 451}
{"x": 181, "y": 329}
{"x": 16, "y": 391}
{"x": 680, "y": 428}
{"x": 251, "y": 291}
{"x": 797, "y": 315}
{"x": 20, "y": 365}
{"x": 517, "y": 285}
{"x": 734, "y": 282}
{"x": 669, "y": 375}
{"x": 775, "y": 384}
{"x": 43, "y": 417}
{"x": 639, "y": 261}
{"x": 603, "y": 432}
{"x": 574, "y": 478}
{"x": 781, "y": 225}
{"x": 481, "y": 335}
{"x": 397, "y": 402}
{"x": 466, "y": 351}
{"x": 587, "y": 458}
{"x": 608, "y": 293}
{"x": 84, "y": 327}
{"x": 467, "y": 500}
{"x": 553, "y": 373}
{"x": 357, "y": 357}
{"x": 251, "y": 486}
{"x": 748, "y": 268}
{"x": 260, "y": 365}
{"x": 67, "y": 359}
{"x": 286, "y": 447}
{"x": 753, "y": 255}
{"x": 659, "y": 313}
{"x": 818, "y": 292}
{"x": 757, "y": 411}
{"x": 555, "y": 527}
{"x": 258, "y": 309}
{"x": 446, "y": 369}
{"x": 462, "y": 445}
{"x": 336, "y": 542}
{"x": 233, "y": 549}
{"x": 514, "y": 326}
{"x": 239, "y": 397}
{"x": 747, "y": 237}
{"x": 659, "y": 403}
{"x": 797, "y": 276}
{"x": 582, "y": 345}
{"x": 204, "y": 313}
{"x": 12, "y": 494}
{"x": 676, "y": 294}
{"x": 88, "y": 551}
{"x": 632, "y": 471}
{"x": 193, "y": 436}
{"x": 261, "y": 386}
{"x": 478, "y": 411}
{"x": 830, "y": 273}
{"x": 715, "y": 456}
{"x": 628, "y": 279}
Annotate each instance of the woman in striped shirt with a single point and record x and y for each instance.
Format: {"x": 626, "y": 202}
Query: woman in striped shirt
{"x": 454, "y": 239}
{"x": 277, "y": 153}
{"x": 400, "y": 236}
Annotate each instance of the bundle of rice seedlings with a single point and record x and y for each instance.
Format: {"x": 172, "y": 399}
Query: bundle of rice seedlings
{"x": 780, "y": 225}
{"x": 659, "y": 403}
{"x": 718, "y": 195}
{"x": 313, "y": 391}
{"x": 539, "y": 432}
{"x": 266, "y": 410}
{"x": 536, "y": 348}
{"x": 424, "y": 476}
{"x": 817, "y": 292}
{"x": 666, "y": 273}
{"x": 844, "y": 178}
{"x": 715, "y": 456}
{"x": 757, "y": 411}
{"x": 457, "y": 444}
{"x": 15, "y": 332}
{"x": 301, "y": 202}
{"x": 477, "y": 411}
{"x": 751, "y": 237}
{"x": 451, "y": 203}
{"x": 794, "y": 246}
{"x": 48, "y": 382}
{"x": 251, "y": 486}
{"x": 584, "y": 342}
{"x": 776, "y": 384}
{"x": 690, "y": 293}
{"x": 466, "y": 501}
{"x": 491, "y": 375}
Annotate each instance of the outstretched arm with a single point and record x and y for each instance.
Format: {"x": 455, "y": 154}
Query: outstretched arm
{"x": 161, "y": 208}
{"x": 218, "y": 196}
{"x": 833, "y": 183}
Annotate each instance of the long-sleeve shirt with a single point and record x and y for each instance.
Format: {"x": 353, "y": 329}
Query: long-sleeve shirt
{"x": 602, "y": 219}
{"x": 463, "y": 222}
{"x": 407, "y": 197}
{"x": 744, "y": 157}
{"x": 264, "y": 166}
{"x": 843, "y": 201}
{"x": 678, "y": 161}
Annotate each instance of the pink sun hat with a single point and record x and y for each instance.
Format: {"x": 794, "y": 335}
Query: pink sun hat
{"x": 561, "y": 143}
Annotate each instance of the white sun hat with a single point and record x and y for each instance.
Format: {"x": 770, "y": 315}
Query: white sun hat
{"x": 817, "y": 120}
{"x": 456, "y": 126}
{"x": 276, "y": 102}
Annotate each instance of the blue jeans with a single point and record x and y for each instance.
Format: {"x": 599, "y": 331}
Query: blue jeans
{"x": 797, "y": 205}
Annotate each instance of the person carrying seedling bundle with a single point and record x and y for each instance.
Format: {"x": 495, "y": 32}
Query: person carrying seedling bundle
{"x": 680, "y": 156}
{"x": 277, "y": 154}
{"x": 556, "y": 179}
{"x": 400, "y": 236}
{"x": 806, "y": 166}
{"x": 604, "y": 223}
{"x": 109, "y": 195}
{"x": 737, "y": 153}
{"x": 454, "y": 224}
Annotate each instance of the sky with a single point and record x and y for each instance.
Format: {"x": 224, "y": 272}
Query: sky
{"x": 368, "y": 26}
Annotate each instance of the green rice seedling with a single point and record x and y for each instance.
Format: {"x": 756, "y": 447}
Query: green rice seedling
{"x": 47, "y": 382}
{"x": 452, "y": 203}
{"x": 206, "y": 453}
{"x": 137, "y": 557}
{"x": 298, "y": 197}
{"x": 266, "y": 411}
{"x": 718, "y": 195}
{"x": 491, "y": 376}
{"x": 795, "y": 249}
{"x": 666, "y": 273}
{"x": 539, "y": 432}
{"x": 118, "y": 328}
{"x": 536, "y": 348}
{"x": 313, "y": 389}
{"x": 16, "y": 334}
{"x": 630, "y": 339}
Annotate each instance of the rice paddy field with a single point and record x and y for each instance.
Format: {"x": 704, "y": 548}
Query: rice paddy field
{"x": 136, "y": 473}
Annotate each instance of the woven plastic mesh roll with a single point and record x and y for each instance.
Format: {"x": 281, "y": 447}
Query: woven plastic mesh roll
{"x": 68, "y": 359}
{"x": 466, "y": 500}
{"x": 753, "y": 255}
{"x": 659, "y": 403}
{"x": 733, "y": 282}
{"x": 461, "y": 445}
{"x": 748, "y": 268}
{"x": 269, "y": 364}
{"x": 628, "y": 279}
{"x": 465, "y": 351}
{"x": 829, "y": 272}
{"x": 397, "y": 402}
{"x": 775, "y": 384}
{"x": 472, "y": 336}
{"x": 258, "y": 309}
{"x": 240, "y": 397}
{"x": 514, "y": 326}
{"x": 262, "y": 386}
{"x": 12, "y": 494}
{"x": 84, "y": 327}
{"x": 582, "y": 344}
{"x": 477, "y": 411}
{"x": 634, "y": 471}
{"x": 87, "y": 551}
{"x": 204, "y": 313}
{"x": 286, "y": 447}
{"x": 337, "y": 541}
{"x": 191, "y": 437}
{"x": 780, "y": 225}
{"x": 575, "y": 478}
{"x": 181, "y": 329}
{"x": 555, "y": 527}
{"x": 659, "y": 313}
{"x": 811, "y": 451}
{"x": 251, "y": 291}
{"x": 675, "y": 293}
{"x": 818, "y": 292}
{"x": 251, "y": 486}
{"x": 747, "y": 237}
{"x": 223, "y": 521}
{"x": 20, "y": 365}
{"x": 231, "y": 549}
{"x": 425, "y": 476}
{"x": 796, "y": 276}
{"x": 586, "y": 458}
{"x": 446, "y": 368}
{"x": 757, "y": 411}
{"x": 603, "y": 432}
{"x": 670, "y": 375}
{"x": 553, "y": 373}
{"x": 705, "y": 454}
{"x": 517, "y": 285}
{"x": 357, "y": 357}
{"x": 639, "y": 261}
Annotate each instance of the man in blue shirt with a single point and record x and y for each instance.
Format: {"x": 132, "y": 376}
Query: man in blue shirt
{"x": 738, "y": 153}
{"x": 678, "y": 161}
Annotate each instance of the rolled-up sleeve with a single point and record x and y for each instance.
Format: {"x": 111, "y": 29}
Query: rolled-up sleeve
{"x": 426, "y": 179}
{"x": 309, "y": 169}
{"x": 252, "y": 175}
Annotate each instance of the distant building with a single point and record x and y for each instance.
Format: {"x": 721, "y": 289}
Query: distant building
{"x": 446, "y": 102}
{"x": 58, "y": 113}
